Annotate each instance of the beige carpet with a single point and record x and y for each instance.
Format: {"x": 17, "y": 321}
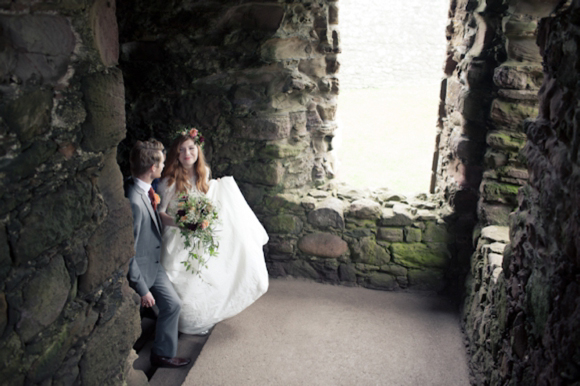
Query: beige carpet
{"x": 305, "y": 333}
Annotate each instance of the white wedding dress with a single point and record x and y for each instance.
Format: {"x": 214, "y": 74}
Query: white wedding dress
{"x": 233, "y": 279}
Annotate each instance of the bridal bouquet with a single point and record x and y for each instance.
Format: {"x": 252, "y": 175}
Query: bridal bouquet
{"x": 197, "y": 218}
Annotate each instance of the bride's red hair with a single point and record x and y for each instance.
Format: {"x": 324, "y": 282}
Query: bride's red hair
{"x": 175, "y": 173}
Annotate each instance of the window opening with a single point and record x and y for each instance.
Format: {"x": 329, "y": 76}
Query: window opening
{"x": 390, "y": 79}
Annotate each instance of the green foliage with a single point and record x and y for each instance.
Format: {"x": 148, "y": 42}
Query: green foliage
{"x": 197, "y": 218}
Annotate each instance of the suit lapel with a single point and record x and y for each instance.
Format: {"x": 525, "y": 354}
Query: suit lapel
{"x": 152, "y": 213}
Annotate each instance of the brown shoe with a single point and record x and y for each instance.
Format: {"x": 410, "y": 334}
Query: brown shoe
{"x": 158, "y": 361}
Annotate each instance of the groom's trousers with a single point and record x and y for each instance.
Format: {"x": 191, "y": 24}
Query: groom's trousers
{"x": 169, "y": 305}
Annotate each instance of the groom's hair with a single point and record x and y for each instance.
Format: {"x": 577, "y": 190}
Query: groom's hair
{"x": 145, "y": 154}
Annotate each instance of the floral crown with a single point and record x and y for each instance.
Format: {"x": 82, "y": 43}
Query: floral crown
{"x": 195, "y": 136}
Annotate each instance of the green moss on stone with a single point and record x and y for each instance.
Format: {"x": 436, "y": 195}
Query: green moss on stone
{"x": 500, "y": 192}
{"x": 412, "y": 235}
{"x": 382, "y": 281}
{"x": 281, "y": 203}
{"x": 367, "y": 251}
{"x": 277, "y": 150}
{"x": 436, "y": 233}
{"x": 418, "y": 255}
{"x": 506, "y": 141}
{"x": 283, "y": 223}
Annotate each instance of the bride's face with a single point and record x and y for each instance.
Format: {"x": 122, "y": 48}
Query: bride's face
{"x": 187, "y": 154}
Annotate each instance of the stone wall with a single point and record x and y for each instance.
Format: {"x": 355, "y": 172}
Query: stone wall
{"x": 258, "y": 78}
{"x": 374, "y": 239}
{"x": 522, "y": 319}
{"x": 67, "y": 315}
{"x": 492, "y": 75}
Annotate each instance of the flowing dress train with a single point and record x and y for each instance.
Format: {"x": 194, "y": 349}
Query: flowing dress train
{"x": 233, "y": 279}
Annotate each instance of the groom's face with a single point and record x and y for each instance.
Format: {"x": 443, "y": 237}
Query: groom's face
{"x": 158, "y": 168}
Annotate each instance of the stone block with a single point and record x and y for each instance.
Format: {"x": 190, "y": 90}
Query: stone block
{"x": 277, "y": 49}
{"x": 110, "y": 345}
{"x": 300, "y": 268}
{"x": 3, "y": 313}
{"x": 109, "y": 248}
{"x": 5, "y": 259}
{"x": 26, "y": 163}
{"x": 282, "y": 149}
{"x": 12, "y": 358}
{"x": 347, "y": 273}
{"x": 327, "y": 112}
{"x": 496, "y": 233}
{"x": 29, "y": 115}
{"x": 366, "y": 250}
{"x": 53, "y": 218}
{"x": 314, "y": 67}
{"x": 419, "y": 255}
{"x": 365, "y": 209}
{"x": 281, "y": 246}
{"x": 412, "y": 235}
{"x": 494, "y": 213}
{"x": 270, "y": 173}
{"x": 506, "y": 141}
{"x": 104, "y": 94}
{"x": 509, "y": 115}
{"x": 391, "y": 234}
{"x": 497, "y": 192}
{"x": 323, "y": 245}
{"x": 283, "y": 223}
{"x": 263, "y": 128}
{"x": 251, "y": 17}
{"x": 283, "y": 202}
{"x": 382, "y": 281}
{"x": 44, "y": 298}
{"x": 332, "y": 64}
{"x": 396, "y": 217}
{"x": 38, "y": 47}
{"x": 327, "y": 269}
{"x": 394, "y": 269}
{"x": 436, "y": 233}
{"x": 328, "y": 213}
{"x": 333, "y": 14}
{"x": 105, "y": 31}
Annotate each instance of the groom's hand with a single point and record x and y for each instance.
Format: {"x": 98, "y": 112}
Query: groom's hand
{"x": 147, "y": 300}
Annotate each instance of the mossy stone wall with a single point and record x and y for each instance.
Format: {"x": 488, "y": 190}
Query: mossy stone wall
{"x": 67, "y": 315}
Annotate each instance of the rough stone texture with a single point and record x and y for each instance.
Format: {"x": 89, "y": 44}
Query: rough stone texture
{"x": 522, "y": 318}
{"x": 43, "y": 298}
{"x": 328, "y": 213}
{"x": 62, "y": 108}
{"x": 365, "y": 208}
{"x": 323, "y": 245}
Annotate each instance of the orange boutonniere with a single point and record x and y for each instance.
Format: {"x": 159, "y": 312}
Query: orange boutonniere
{"x": 157, "y": 199}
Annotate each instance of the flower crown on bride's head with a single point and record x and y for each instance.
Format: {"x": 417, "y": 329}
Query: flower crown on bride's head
{"x": 195, "y": 136}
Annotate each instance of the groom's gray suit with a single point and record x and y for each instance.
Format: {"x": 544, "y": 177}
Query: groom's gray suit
{"x": 146, "y": 273}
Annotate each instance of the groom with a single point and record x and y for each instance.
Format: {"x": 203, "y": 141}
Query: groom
{"x": 146, "y": 275}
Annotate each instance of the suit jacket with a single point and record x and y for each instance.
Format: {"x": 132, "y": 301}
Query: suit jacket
{"x": 147, "y": 228}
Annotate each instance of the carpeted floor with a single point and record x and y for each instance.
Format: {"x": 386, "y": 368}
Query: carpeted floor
{"x": 305, "y": 333}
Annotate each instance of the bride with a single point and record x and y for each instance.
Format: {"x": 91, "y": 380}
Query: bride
{"x": 237, "y": 276}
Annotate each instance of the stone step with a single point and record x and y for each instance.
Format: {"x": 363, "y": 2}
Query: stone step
{"x": 189, "y": 346}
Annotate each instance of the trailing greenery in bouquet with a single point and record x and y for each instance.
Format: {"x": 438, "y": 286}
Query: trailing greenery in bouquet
{"x": 197, "y": 219}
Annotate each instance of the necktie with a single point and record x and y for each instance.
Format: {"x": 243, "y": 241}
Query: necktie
{"x": 152, "y": 198}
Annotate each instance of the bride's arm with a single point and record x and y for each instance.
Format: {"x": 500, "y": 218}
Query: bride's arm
{"x": 166, "y": 193}
{"x": 167, "y": 220}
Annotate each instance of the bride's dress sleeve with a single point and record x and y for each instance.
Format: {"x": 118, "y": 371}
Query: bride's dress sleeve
{"x": 167, "y": 194}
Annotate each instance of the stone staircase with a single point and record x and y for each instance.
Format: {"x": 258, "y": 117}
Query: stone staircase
{"x": 189, "y": 346}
